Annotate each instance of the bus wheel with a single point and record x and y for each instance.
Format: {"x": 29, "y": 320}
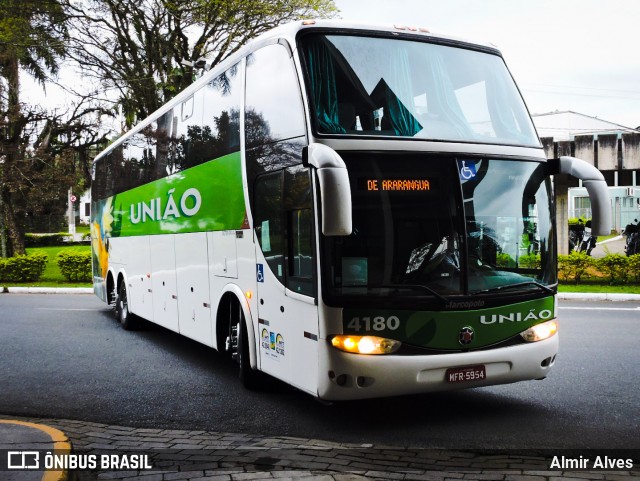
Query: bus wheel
{"x": 249, "y": 378}
{"x": 126, "y": 319}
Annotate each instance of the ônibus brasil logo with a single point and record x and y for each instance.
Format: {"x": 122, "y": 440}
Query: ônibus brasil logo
{"x": 188, "y": 206}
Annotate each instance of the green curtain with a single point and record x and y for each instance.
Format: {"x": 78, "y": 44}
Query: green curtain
{"x": 444, "y": 102}
{"x": 499, "y": 102}
{"x": 401, "y": 119}
{"x": 323, "y": 86}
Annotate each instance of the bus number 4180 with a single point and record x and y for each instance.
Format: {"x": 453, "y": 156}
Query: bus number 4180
{"x": 378, "y": 323}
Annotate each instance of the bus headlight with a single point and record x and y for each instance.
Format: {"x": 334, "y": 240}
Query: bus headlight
{"x": 365, "y": 344}
{"x": 540, "y": 332}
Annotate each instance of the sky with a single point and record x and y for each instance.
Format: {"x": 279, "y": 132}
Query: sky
{"x": 579, "y": 55}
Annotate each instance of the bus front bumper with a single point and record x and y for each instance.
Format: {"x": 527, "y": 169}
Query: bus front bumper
{"x": 345, "y": 376}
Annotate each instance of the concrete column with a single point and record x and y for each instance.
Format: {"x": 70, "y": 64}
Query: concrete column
{"x": 584, "y": 148}
{"x": 561, "y": 189}
{"x": 608, "y": 152}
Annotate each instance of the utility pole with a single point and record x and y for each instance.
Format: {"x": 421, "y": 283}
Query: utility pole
{"x": 72, "y": 218}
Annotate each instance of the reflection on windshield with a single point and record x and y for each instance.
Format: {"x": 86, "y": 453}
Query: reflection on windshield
{"x": 459, "y": 227}
{"x": 382, "y": 86}
{"x": 508, "y": 223}
{"x": 406, "y": 236}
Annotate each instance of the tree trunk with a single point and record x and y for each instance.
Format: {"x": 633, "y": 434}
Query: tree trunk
{"x": 12, "y": 150}
{"x": 14, "y": 232}
{"x": 4, "y": 253}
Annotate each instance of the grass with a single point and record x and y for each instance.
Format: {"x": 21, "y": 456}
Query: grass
{"x": 607, "y": 237}
{"x": 600, "y": 288}
{"x": 51, "y": 277}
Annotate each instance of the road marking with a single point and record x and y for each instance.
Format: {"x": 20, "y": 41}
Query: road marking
{"x": 60, "y": 309}
{"x": 576, "y": 308}
{"x": 61, "y": 445}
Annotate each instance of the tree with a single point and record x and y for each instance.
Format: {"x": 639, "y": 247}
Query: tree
{"x": 41, "y": 154}
{"x": 32, "y": 36}
{"x": 149, "y": 51}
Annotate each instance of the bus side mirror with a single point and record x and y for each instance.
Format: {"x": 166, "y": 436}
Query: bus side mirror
{"x": 335, "y": 190}
{"x": 596, "y": 186}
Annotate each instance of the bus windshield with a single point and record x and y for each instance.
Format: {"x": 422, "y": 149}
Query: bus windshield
{"x": 439, "y": 227}
{"x": 369, "y": 86}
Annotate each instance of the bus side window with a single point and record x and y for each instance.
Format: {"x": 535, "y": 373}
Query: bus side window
{"x": 301, "y": 265}
{"x": 188, "y": 137}
{"x": 273, "y": 102}
{"x": 137, "y": 165}
{"x": 221, "y": 118}
{"x": 297, "y": 205}
{"x": 268, "y": 221}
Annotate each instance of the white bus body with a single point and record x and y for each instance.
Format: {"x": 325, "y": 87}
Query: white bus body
{"x": 309, "y": 208}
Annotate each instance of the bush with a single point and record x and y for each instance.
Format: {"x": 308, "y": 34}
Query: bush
{"x": 74, "y": 265}
{"x": 54, "y": 240}
{"x": 577, "y": 220}
{"x": 633, "y": 267}
{"x": 27, "y": 268}
{"x": 47, "y": 240}
{"x": 530, "y": 261}
{"x": 505, "y": 260}
{"x": 615, "y": 267}
{"x": 574, "y": 266}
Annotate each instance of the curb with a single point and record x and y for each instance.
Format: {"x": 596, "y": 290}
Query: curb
{"x": 613, "y": 239}
{"x": 60, "y": 443}
{"x": 186, "y": 455}
{"x": 594, "y": 296}
{"x": 565, "y": 296}
{"x": 48, "y": 290}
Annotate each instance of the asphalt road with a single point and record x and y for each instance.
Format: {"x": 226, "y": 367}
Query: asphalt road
{"x": 64, "y": 356}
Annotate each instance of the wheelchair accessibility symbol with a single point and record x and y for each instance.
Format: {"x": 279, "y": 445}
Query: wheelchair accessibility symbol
{"x": 466, "y": 172}
{"x": 260, "y": 272}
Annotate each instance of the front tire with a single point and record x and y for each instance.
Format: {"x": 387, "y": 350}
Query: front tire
{"x": 250, "y": 378}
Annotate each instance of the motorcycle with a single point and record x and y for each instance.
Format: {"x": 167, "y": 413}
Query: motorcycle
{"x": 632, "y": 244}
{"x": 576, "y": 232}
{"x": 587, "y": 242}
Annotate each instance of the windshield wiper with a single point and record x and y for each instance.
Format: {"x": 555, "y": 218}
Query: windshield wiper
{"x": 519, "y": 284}
{"x": 433, "y": 292}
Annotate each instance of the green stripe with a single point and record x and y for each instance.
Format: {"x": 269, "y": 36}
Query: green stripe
{"x": 441, "y": 329}
{"x": 208, "y": 197}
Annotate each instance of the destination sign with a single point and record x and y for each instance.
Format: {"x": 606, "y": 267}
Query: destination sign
{"x": 396, "y": 185}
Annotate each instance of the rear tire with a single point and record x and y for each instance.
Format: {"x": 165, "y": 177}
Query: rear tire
{"x": 125, "y": 318}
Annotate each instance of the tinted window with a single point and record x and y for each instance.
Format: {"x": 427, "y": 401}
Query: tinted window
{"x": 221, "y": 117}
{"x": 160, "y": 134}
{"x": 268, "y": 221}
{"x": 188, "y": 139}
{"x": 284, "y": 226}
{"x": 393, "y": 87}
{"x": 138, "y": 164}
{"x": 297, "y": 205}
{"x": 273, "y": 104}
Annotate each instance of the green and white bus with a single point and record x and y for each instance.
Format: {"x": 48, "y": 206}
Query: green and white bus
{"x": 357, "y": 211}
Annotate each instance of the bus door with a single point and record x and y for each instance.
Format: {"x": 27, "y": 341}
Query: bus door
{"x": 285, "y": 274}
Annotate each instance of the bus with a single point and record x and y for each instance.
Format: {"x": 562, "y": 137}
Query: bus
{"x": 357, "y": 211}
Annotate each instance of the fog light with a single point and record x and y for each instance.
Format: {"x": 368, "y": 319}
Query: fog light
{"x": 365, "y": 344}
{"x": 540, "y": 332}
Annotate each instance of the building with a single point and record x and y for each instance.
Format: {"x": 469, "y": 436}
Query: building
{"x": 567, "y": 124}
{"x": 614, "y": 149}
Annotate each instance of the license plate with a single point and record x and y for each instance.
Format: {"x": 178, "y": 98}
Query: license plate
{"x": 466, "y": 374}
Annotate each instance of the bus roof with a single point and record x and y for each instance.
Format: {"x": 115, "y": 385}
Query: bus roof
{"x": 289, "y": 32}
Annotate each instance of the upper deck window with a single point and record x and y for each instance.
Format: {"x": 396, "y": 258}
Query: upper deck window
{"x": 386, "y": 86}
